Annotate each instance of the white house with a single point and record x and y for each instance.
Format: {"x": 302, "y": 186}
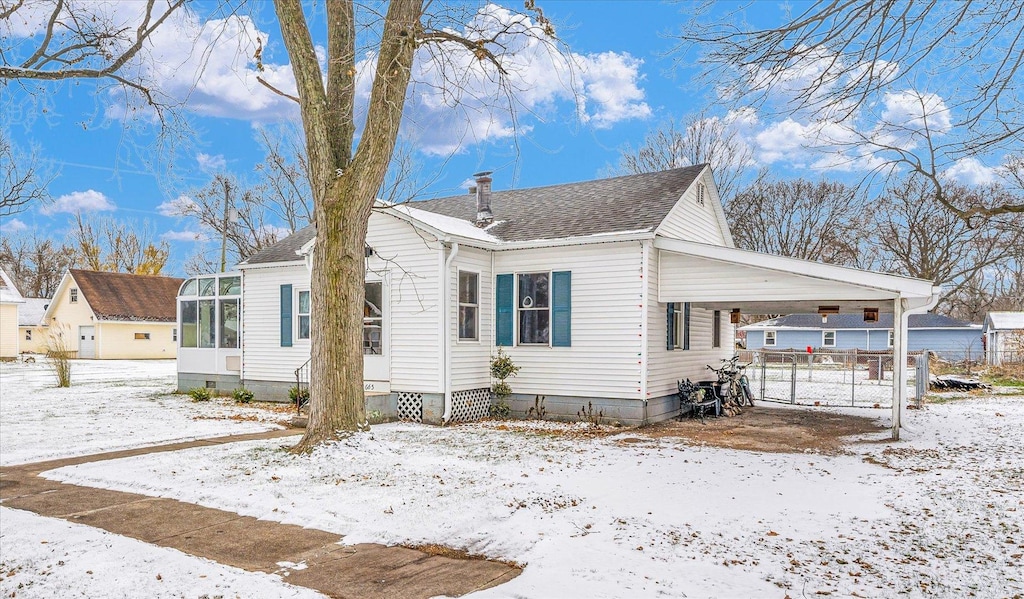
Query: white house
{"x": 605, "y": 291}
{"x": 1004, "y": 337}
{"x": 11, "y": 303}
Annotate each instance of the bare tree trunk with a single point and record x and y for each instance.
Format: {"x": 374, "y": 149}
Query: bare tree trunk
{"x": 344, "y": 190}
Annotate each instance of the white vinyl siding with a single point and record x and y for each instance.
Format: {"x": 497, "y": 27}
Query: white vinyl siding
{"x": 471, "y": 358}
{"x": 410, "y": 265}
{"x": 664, "y": 367}
{"x": 606, "y": 322}
{"x": 691, "y": 220}
{"x": 264, "y": 358}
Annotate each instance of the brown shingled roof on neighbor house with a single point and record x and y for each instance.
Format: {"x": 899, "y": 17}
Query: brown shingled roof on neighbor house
{"x": 120, "y": 296}
{"x": 628, "y": 203}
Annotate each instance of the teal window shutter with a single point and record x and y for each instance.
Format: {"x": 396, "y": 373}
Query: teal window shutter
{"x": 686, "y": 325}
{"x": 561, "y": 309}
{"x": 670, "y": 334}
{"x": 286, "y": 315}
{"x": 503, "y": 310}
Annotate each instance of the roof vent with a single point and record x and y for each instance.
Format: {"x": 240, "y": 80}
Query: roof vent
{"x": 484, "y": 216}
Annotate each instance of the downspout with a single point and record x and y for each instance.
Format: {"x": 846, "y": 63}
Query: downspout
{"x": 446, "y": 336}
{"x": 645, "y": 256}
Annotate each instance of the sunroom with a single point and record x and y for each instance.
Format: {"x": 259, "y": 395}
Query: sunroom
{"x": 210, "y": 340}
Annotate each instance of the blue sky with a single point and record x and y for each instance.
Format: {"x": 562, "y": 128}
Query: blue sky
{"x": 627, "y": 83}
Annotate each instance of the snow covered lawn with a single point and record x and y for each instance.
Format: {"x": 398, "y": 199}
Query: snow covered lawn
{"x": 938, "y": 514}
{"x": 111, "y": 404}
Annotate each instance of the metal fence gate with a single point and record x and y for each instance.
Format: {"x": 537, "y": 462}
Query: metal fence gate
{"x": 839, "y": 378}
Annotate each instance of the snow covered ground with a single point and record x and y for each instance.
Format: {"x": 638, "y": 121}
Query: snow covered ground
{"x": 111, "y": 404}
{"x": 939, "y": 514}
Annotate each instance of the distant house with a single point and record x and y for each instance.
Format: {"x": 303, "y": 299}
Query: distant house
{"x": 112, "y": 316}
{"x": 31, "y": 326}
{"x": 10, "y": 304}
{"x": 951, "y": 338}
{"x": 1004, "y": 337}
{"x": 603, "y": 292}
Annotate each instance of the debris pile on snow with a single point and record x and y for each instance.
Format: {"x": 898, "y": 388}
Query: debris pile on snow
{"x": 952, "y": 382}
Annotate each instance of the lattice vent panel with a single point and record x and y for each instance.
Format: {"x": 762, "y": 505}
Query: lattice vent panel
{"x": 410, "y": 406}
{"x": 473, "y": 404}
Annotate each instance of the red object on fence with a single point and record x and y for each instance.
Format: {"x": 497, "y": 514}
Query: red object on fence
{"x": 810, "y": 349}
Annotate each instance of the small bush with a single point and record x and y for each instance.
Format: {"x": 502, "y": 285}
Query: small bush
{"x": 199, "y": 394}
{"x": 242, "y": 395}
{"x": 501, "y": 410}
{"x": 502, "y": 367}
{"x": 538, "y": 411}
{"x": 587, "y": 414}
{"x": 59, "y": 351}
{"x": 299, "y": 395}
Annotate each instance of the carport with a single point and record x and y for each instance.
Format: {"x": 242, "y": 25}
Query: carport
{"x": 733, "y": 280}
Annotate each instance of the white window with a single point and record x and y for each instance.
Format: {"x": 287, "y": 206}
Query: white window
{"x": 302, "y": 320}
{"x": 769, "y": 338}
{"x": 28, "y": 335}
{"x": 469, "y": 306}
{"x": 892, "y": 336}
{"x": 174, "y": 335}
{"x": 74, "y": 295}
{"x": 716, "y": 329}
{"x": 534, "y": 307}
{"x": 828, "y": 338}
{"x": 373, "y": 319}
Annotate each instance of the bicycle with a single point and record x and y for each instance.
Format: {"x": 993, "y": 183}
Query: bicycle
{"x": 734, "y": 385}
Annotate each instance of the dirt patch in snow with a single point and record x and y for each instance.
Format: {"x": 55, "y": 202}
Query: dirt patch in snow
{"x": 777, "y": 430}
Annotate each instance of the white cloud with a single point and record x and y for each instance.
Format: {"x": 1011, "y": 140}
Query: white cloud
{"x": 458, "y": 101}
{"x": 211, "y": 164}
{"x": 185, "y": 236}
{"x": 13, "y": 225}
{"x": 179, "y": 206}
{"x": 971, "y": 172}
{"x": 610, "y": 82}
{"x": 79, "y": 201}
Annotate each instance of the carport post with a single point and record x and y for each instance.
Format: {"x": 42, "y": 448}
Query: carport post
{"x": 899, "y": 366}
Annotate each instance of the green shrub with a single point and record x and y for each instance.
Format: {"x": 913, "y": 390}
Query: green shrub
{"x": 299, "y": 395}
{"x": 242, "y": 395}
{"x": 502, "y": 367}
{"x": 199, "y": 394}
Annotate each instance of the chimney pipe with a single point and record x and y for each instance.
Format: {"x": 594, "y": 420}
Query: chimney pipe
{"x": 484, "y": 216}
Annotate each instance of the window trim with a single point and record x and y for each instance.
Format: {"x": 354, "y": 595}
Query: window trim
{"x": 824, "y": 335}
{"x": 28, "y": 334}
{"x": 383, "y": 318}
{"x": 73, "y": 295}
{"x": 716, "y": 329}
{"x": 891, "y": 337}
{"x": 459, "y": 304}
{"x": 680, "y": 326}
{"x": 297, "y": 315}
{"x": 774, "y": 336}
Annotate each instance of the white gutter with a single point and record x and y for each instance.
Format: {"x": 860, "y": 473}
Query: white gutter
{"x": 645, "y": 286}
{"x": 446, "y": 335}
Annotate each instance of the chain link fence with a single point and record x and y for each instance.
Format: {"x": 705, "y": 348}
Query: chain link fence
{"x": 833, "y": 378}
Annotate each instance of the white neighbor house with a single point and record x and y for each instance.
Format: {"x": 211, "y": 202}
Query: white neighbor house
{"x": 605, "y": 291}
{"x": 1004, "y": 337}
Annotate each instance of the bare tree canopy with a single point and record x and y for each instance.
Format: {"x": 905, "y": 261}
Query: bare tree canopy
{"x": 839, "y": 62}
{"x": 820, "y": 221}
{"x": 36, "y": 264}
{"x": 23, "y": 178}
{"x": 701, "y": 138}
{"x": 79, "y": 40}
{"x": 913, "y": 235}
{"x": 118, "y": 246}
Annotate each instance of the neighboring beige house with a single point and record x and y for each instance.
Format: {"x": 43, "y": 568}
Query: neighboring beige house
{"x": 31, "y": 328}
{"x": 116, "y": 316}
{"x": 10, "y": 302}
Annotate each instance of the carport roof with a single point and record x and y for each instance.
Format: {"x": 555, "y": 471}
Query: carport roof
{"x": 722, "y": 278}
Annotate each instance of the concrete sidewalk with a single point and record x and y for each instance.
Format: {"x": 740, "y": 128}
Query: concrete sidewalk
{"x": 365, "y": 570}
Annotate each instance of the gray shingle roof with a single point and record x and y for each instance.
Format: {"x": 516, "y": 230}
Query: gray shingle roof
{"x": 856, "y": 321}
{"x": 628, "y": 203}
{"x": 284, "y": 250}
